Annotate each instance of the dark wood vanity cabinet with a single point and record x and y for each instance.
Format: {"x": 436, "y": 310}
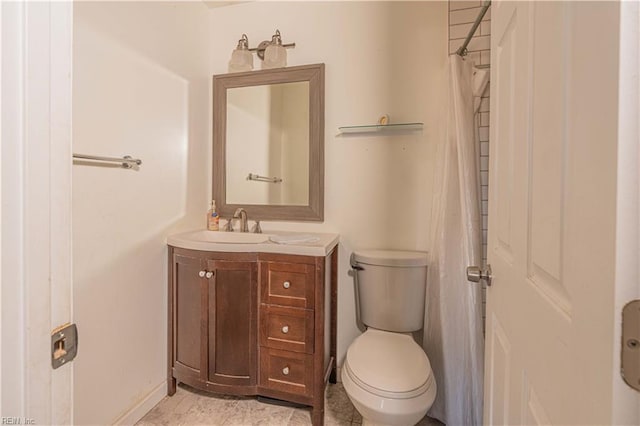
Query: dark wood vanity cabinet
{"x": 214, "y": 321}
{"x": 253, "y": 324}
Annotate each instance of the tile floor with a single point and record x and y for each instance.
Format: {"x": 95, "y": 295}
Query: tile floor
{"x": 190, "y": 406}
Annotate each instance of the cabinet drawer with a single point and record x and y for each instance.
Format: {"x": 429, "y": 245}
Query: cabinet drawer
{"x": 290, "y": 329}
{"x": 286, "y": 371}
{"x": 288, "y": 284}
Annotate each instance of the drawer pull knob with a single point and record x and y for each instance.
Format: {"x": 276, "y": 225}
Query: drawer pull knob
{"x": 285, "y": 371}
{"x": 286, "y": 284}
{"x": 285, "y": 329}
{"x": 201, "y": 274}
{"x": 209, "y": 274}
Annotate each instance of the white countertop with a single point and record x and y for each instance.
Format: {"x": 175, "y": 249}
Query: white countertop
{"x": 205, "y": 241}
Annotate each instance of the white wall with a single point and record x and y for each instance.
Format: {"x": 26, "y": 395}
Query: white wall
{"x": 141, "y": 87}
{"x": 381, "y": 57}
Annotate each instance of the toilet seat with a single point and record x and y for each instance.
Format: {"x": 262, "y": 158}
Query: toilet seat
{"x": 390, "y": 365}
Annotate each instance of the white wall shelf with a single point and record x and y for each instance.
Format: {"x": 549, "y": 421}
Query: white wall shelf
{"x": 383, "y": 128}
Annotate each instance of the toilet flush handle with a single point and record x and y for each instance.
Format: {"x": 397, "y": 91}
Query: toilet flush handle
{"x": 356, "y": 267}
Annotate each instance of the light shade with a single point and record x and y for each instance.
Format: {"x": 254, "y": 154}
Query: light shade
{"x": 241, "y": 57}
{"x": 275, "y": 55}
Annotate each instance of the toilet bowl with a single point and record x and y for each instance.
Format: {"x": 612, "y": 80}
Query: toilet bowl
{"x": 386, "y": 374}
{"x": 388, "y": 378}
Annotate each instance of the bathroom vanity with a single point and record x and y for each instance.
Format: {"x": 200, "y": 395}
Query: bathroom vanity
{"x": 248, "y": 316}
{"x": 254, "y": 318}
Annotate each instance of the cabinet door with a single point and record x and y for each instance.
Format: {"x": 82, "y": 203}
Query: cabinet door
{"x": 187, "y": 315}
{"x": 232, "y": 296}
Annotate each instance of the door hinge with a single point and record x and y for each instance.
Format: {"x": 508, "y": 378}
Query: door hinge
{"x": 64, "y": 345}
{"x": 630, "y": 362}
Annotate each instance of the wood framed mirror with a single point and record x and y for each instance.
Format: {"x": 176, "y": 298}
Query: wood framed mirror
{"x": 268, "y": 143}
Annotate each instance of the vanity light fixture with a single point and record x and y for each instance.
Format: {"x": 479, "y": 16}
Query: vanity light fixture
{"x": 241, "y": 57}
{"x": 272, "y": 52}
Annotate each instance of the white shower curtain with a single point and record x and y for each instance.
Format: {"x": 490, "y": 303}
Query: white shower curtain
{"x": 453, "y": 337}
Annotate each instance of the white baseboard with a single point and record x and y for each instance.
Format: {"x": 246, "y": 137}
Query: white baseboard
{"x": 138, "y": 411}
{"x": 339, "y": 374}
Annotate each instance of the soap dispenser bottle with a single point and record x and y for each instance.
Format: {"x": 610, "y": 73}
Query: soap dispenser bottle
{"x": 213, "y": 220}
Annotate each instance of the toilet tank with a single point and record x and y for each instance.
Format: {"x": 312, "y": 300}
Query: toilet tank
{"x": 390, "y": 288}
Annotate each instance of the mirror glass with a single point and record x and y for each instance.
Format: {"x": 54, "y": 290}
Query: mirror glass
{"x": 267, "y": 138}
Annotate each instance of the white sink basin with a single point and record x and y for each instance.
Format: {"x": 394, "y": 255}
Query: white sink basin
{"x": 229, "y": 237}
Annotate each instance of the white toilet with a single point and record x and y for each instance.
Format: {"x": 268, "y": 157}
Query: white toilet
{"x": 386, "y": 373}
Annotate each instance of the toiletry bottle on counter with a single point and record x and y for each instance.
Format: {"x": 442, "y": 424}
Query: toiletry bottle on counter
{"x": 213, "y": 220}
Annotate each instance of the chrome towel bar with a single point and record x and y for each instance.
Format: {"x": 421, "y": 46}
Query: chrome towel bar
{"x": 263, "y": 178}
{"x": 127, "y": 161}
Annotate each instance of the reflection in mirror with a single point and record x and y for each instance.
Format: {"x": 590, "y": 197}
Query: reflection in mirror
{"x": 268, "y": 136}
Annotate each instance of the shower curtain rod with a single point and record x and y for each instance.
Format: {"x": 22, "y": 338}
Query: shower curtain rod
{"x": 462, "y": 51}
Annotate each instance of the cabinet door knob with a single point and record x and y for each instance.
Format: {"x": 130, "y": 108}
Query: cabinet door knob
{"x": 286, "y": 284}
{"x": 201, "y": 274}
{"x": 285, "y": 371}
{"x": 209, "y": 274}
{"x": 285, "y": 329}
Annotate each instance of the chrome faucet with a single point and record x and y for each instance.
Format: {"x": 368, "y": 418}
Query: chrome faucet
{"x": 241, "y": 214}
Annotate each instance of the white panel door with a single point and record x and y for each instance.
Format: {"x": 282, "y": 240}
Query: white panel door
{"x": 550, "y": 340}
{"x": 36, "y": 52}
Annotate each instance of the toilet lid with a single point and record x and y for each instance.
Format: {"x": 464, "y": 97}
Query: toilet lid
{"x": 389, "y": 362}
